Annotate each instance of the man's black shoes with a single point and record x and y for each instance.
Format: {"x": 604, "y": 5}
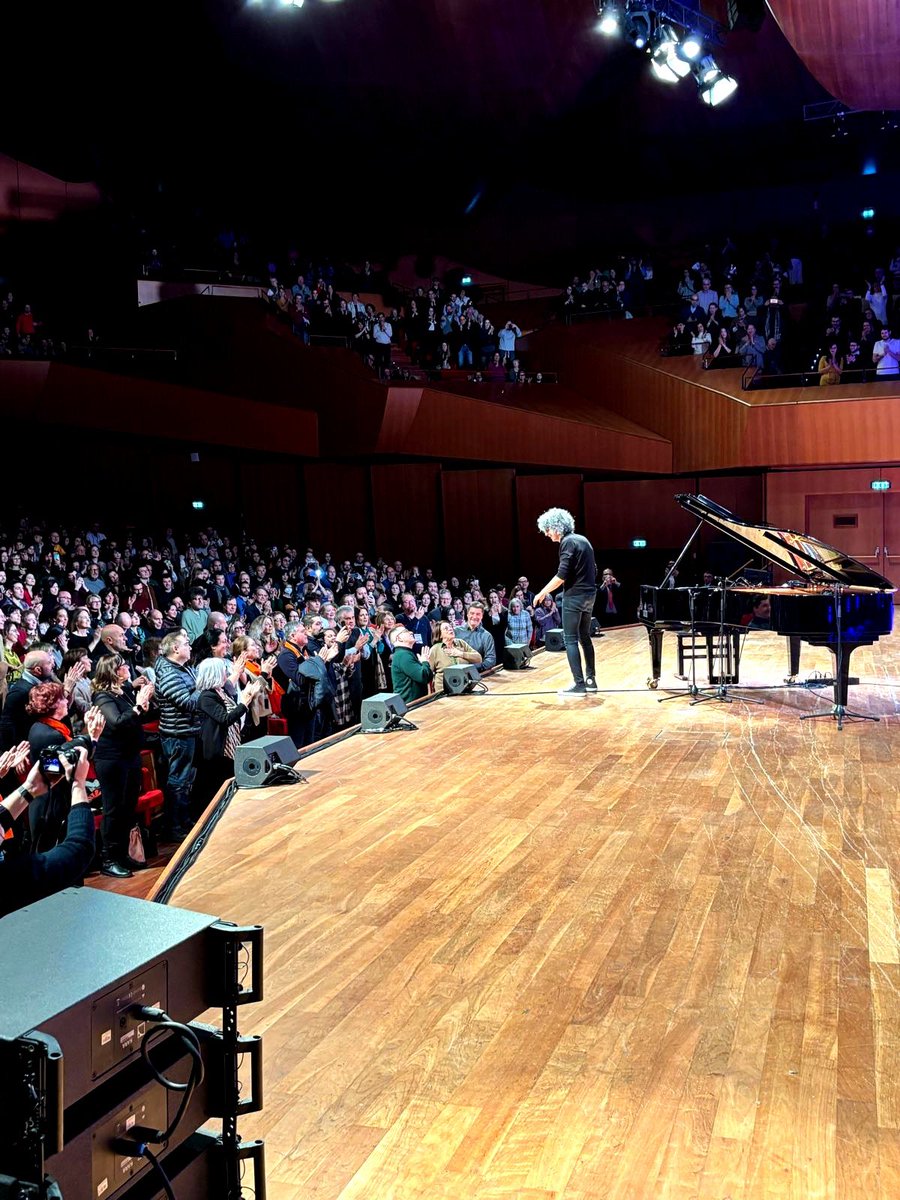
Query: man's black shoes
{"x": 577, "y": 689}
{"x": 591, "y": 684}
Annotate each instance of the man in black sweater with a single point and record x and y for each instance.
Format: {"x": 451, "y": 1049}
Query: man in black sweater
{"x": 577, "y": 572}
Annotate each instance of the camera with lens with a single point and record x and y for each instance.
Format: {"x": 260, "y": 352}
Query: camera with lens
{"x": 53, "y": 758}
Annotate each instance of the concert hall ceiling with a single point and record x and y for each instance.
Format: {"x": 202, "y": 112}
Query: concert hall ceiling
{"x": 355, "y": 110}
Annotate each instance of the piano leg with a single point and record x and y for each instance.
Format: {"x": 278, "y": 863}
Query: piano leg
{"x": 656, "y": 641}
{"x": 793, "y": 656}
{"x": 839, "y": 710}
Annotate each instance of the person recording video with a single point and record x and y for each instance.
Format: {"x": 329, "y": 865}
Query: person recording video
{"x": 25, "y": 878}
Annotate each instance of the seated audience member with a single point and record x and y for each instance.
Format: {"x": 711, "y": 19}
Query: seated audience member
{"x": 853, "y": 359}
{"x": 830, "y": 366}
{"x": 708, "y": 294}
{"x": 449, "y": 651}
{"x": 772, "y": 364}
{"x": 886, "y": 354}
{"x": 751, "y": 348}
{"x": 546, "y": 616}
{"x": 728, "y": 303}
{"x": 519, "y": 627}
{"x": 221, "y": 718}
{"x": 701, "y": 340}
{"x": 722, "y": 352}
{"x": 679, "y": 340}
{"x": 477, "y": 636}
{"x": 753, "y": 302}
{"x": 26, "y": 878}
{"x": 410, "y": 671}
{"x": 117, "y": 758}
{"x": 692, "y": 312}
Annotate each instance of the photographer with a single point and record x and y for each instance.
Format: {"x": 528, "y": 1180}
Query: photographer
{"x": 29, "y": 877}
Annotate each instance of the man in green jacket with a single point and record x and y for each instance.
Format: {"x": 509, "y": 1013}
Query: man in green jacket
{"x": 409, "y": 673}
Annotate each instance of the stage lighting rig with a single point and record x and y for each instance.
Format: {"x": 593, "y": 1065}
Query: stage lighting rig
{"x": 675, "y": 36}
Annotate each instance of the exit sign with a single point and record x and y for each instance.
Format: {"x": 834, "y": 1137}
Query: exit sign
{"x": 639, "y": 543}
{"x": 880, "y": 485}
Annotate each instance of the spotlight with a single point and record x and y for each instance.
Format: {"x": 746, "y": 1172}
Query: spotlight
{"x": 609, "y": 19}
{"x": 691, "y": 47}
{"x": 637, "y": 28}
{"x": 665, "y": 63}
{"x": 715, "y": 86}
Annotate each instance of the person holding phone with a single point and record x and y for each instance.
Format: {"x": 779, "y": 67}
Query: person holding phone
{"x": 26, "y": 878}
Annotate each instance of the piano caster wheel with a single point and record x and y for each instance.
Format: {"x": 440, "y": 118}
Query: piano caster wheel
{"x": 652, "y": 684}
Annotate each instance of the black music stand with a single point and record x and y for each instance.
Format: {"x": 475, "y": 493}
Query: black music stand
{"x": 839, "y": 711}
{"x": 725, "y": 682}
{"x": 696, "y": 694}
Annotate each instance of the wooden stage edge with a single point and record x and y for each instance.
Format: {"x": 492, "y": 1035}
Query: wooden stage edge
{"x": 554, "y": 948}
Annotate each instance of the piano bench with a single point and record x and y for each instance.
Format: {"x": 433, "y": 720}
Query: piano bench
{"x": 710, "y": 646}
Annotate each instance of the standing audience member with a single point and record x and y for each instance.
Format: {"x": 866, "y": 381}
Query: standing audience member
{"x": 179, "y": 728}
{"x": 117, "y": 758}
{"x": 221, "y": 719}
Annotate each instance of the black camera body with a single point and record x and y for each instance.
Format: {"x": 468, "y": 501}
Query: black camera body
{"x": 53, "y": 758}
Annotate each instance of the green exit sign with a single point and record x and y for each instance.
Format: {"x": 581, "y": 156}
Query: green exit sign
{"x": 880, "y": 485}
{"x": 639, "y": 543}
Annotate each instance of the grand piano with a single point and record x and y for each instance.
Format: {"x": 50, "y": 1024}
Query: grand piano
{"x": 830, "y": 600}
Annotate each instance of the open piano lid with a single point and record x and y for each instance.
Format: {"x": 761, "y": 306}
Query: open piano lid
{"x": 799, "y": 553}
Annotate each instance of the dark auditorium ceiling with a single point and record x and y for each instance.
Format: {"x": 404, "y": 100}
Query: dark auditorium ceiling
{"x": 392, "y": 111}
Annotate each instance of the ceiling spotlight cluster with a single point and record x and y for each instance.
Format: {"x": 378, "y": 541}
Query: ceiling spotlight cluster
{"x": 676, "y": 37}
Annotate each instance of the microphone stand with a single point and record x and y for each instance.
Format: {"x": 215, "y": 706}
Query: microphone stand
{"x": 725, "y": 681}
{"x": 839, "y": 712}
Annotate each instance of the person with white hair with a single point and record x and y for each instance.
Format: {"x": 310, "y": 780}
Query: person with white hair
{"x": 221, "y": 718}
{"x": 577, "y": 573}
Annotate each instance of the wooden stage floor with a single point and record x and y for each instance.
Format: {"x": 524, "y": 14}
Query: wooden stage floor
{"x": 578, "y": 949}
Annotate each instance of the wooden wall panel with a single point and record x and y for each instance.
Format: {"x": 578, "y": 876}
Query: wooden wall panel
{"x": 826, "y": 434}
{"x": 480, "y": 524}
{"x": 786, "y": 491}
{"x": 338, "y": 509}
{"x": 618, "y": 511}
{"x": 534, "y": 495}
{"x": 406, "y": 508}
{"x": 271, "y": 501}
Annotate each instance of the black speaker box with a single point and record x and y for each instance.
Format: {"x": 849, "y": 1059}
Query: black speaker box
{"x": 254, "y": 763}
{"x": 460, "y": 679}
{"x": 380, "y": 711}
{"x": 516, "y": 655}
{"x": 553, "y": 640}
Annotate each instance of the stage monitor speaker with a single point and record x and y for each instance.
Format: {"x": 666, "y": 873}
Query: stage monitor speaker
{"x": 595, "y": 627}
{"x": 255, "y": 762}
{"x": 516, "y": 655}
{"x": 381, "y": 711}
{"x": 553, "y": 640}
{"x": 460, "y": 679}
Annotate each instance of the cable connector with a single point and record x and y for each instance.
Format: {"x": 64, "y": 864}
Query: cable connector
{"x": 149, "y": 1013}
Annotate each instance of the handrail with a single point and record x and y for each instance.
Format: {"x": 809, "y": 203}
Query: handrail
{"x": 754, "y": 379}
{"x": 133, "y": 352}
{"x": 413, "y": 375}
